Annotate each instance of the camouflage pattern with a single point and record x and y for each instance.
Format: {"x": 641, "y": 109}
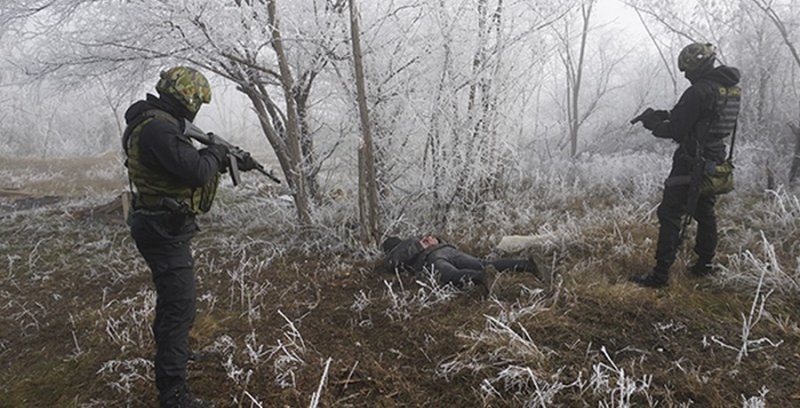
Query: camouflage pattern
{"x": 696, "y": 55}
{"x": 187, "y": 85}
{"x": 720, "y": 181}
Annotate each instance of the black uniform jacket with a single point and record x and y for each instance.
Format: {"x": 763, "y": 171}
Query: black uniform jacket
{"x": 164, "y": 148}
{"x": 694, "y": 105}
{"x": 410, "y": 256}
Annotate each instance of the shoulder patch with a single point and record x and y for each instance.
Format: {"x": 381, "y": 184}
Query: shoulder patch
{"x": 730, "y": 91}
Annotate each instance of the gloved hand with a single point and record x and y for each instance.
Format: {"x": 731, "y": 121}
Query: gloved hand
{"x": 662, "y": 114}
{"x": 654, "y": 118}
{"x": 247, "y": 163}
{"x": 219, "y": 152}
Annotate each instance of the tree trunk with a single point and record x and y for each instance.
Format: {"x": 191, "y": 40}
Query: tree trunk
{"x": 307, "y": 143}
{"x": 575, "y": 123}
{"x": 296, "y": 171}
{"x": 367, "y": 181}
{"x": 795, "y": 170}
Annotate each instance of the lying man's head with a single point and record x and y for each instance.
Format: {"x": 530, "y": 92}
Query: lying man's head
{"x": 428, "y": 241}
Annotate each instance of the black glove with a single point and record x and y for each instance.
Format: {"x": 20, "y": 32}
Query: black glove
{"x": 247, "y": 163}
{"x": 219, "y": 152}
{"x": 654, "y": 118}
{"x": 662, "y": 114}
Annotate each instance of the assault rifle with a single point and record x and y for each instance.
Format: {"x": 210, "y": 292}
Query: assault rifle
{"x": 695, "y": 187}
{"x": 696, "y": 178}
{"x": 235, "y": 154}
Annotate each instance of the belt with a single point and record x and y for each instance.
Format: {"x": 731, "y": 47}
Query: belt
{"x": 156, "y": 204}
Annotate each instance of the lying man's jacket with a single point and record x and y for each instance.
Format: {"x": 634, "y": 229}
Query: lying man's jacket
{"x": 409, "y": 255}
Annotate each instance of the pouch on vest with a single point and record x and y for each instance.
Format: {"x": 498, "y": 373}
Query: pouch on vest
{"x": 719, "y": 181}
{"x": 205, "y": 196}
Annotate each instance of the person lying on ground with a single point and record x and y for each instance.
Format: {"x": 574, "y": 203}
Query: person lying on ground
{"x": 450, "y": 264}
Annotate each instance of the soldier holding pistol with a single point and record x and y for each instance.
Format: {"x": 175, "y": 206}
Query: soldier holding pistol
{"x": 705, "y": 114}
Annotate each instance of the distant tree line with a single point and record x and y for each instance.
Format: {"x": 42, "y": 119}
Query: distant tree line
{"x": 439, "y": 100}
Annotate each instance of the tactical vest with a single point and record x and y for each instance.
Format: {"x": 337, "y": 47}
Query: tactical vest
{"x": 727, "y": 102}
{"x": 157, "y": 189}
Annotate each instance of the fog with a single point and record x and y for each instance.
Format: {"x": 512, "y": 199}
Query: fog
{"x": 504, "y": 73}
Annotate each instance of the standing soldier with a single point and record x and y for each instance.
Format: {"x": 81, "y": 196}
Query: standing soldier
{"x": 705, "y": 114}
{"x": 173, "y": 183}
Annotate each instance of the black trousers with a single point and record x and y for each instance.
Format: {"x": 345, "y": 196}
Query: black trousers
{"x": 164, "y": 240}
{"x": 454, "y": 266}
{"x": 670, "y": 214}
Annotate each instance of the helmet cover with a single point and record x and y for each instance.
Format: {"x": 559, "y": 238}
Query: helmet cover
{"x": 695, "y": 56}
{"x": 187, "y": 85}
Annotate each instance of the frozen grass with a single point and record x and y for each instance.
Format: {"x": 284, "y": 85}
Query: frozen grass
{"x": 770, "y": 255}
{"x": 275, "y": 298}
{"x": 64, "y": 177}
{"x": 406, "y": 304}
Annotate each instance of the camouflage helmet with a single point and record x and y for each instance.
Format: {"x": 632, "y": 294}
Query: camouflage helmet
{"x": 187, "y": 85}
{"x": 695, "y": 56}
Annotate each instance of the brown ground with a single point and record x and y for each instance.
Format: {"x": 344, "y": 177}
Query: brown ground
{"x": 72, "y": 291}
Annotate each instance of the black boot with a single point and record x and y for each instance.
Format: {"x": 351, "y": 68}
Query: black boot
{"x": 532, "y": 267}
{"x": 651, "y": 279}
{"x": 545, "y": 274}
{"x": 702, "y": 268}
{"x": 484, "y": 281}
{"x": 179, "y": 396}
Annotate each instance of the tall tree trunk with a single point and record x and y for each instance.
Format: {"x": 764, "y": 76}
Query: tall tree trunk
{"x": 367, "y": 181}
{"x": 794, "y": 172}
{"x": 306, "y": 141}
{"x": 433, "y": 146}
{"x": 296, "y": 172}
{"x": 575, "y": 117}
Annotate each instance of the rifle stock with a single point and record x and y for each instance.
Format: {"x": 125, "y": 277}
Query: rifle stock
{"x": 235, "y": 154}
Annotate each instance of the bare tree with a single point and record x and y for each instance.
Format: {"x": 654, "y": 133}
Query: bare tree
{"x": 367, "y": 182}
{"x": 228, "y": 38}
{"x": 664, "y": 58}
{"x": 583, "y": 97}
{"x": 574, "y": 64}
{"x": 472, "y": 85}
{"x": 766, "y": 7}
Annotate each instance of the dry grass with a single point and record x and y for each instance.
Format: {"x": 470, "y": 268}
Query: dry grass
{"x": 299, "y": 318}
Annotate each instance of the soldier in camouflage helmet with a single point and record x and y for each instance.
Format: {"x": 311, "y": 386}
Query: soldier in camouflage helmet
{"x": 187, "y": 86}
{"x": 704, "y": 116}
{"x": 696, "y": 58}
{"x": 172, "y": 182}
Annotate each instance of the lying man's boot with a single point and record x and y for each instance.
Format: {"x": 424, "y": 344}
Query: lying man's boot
{"x": 545, "y": 274}
{"x": 701, "y": 269}
{"x": 651, "y": 279}
{"x": 531, "y": 265}
{"x": 484, "y": 281}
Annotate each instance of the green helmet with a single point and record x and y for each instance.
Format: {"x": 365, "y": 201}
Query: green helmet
{"x": 695, "y": 56}
{"x": 187, "y": 85}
